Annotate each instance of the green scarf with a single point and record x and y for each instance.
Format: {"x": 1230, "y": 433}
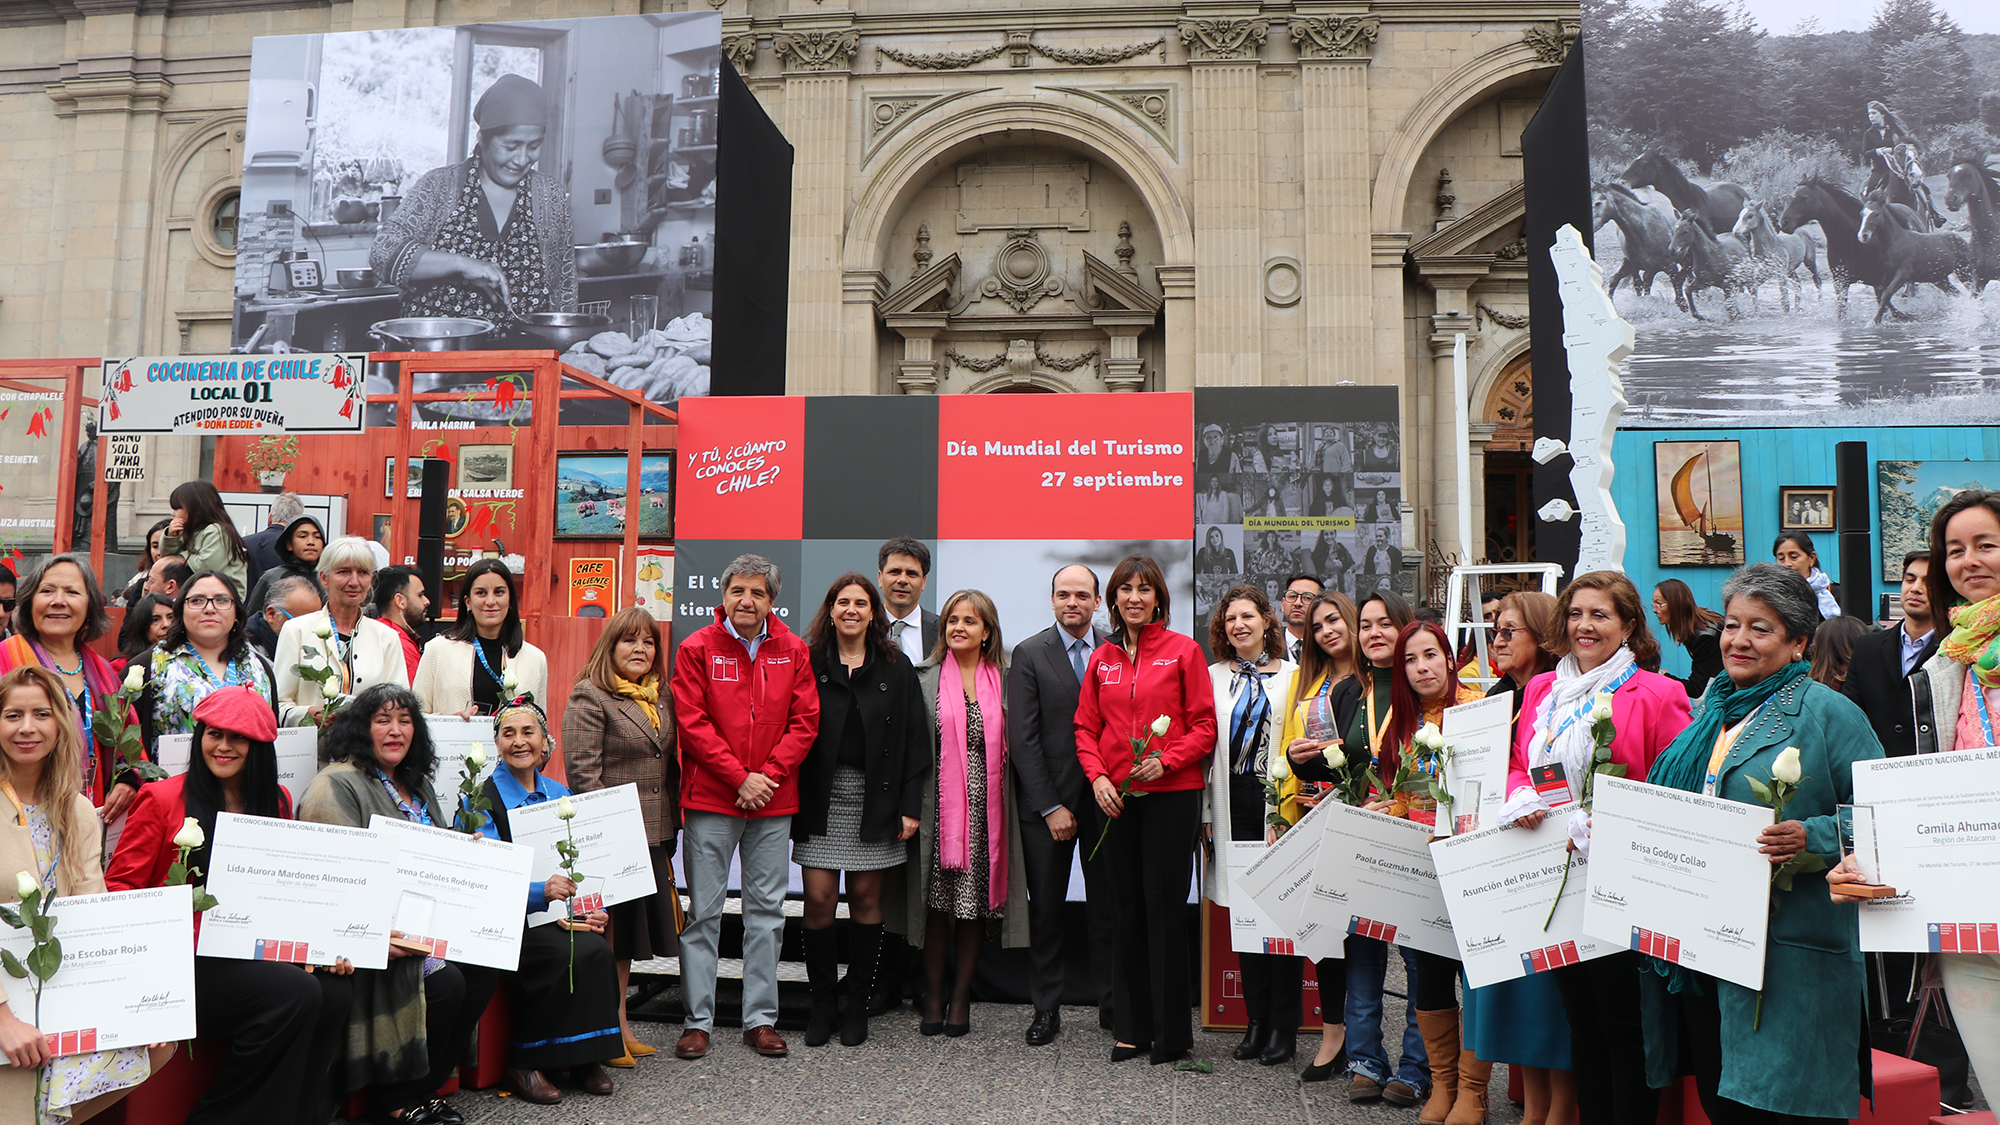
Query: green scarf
{"x": 1975, "y": 639}
{"x": 1684, "y": 765}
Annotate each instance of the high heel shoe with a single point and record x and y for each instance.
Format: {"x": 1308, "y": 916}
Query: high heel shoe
{"x": 1317, "y": 1073}
{"x": 639, "y": 1050}
{"x": 961, "y": 1028}
{"x": 928, "y": 1027}
{"x": 1120, "y": 1052}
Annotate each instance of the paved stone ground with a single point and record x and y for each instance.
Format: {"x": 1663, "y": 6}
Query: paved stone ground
{"x": 991, "y": 1075}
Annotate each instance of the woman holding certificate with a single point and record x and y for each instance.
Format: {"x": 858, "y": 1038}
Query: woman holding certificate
{"x": 382, "y": 760}
{"x": 567, "y": 983}
{"x": 482, "y": 658}
{"x": 1147, "y": 685}
{"x": 1331, "y": 660}
{"x": 283, "y": 1023}
{"x": 359, "y": 651}
{"x": 1605, "y": 647}
{"x": 1251, "y": 684}
{"x": 50, "y": 833}
{"x": 1793, "y": 1050}
{"x": 967, "y": 868}
{"x": 615, "y": 731}
{"x": 1361, "y": 709}
{"x": 1958, "y": 695}
{"x": 1520, "y": 1022}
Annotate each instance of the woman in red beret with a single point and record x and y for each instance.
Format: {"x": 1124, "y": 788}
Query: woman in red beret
{"x": 478, "y": 237}
{"x": 282, "y": 1023}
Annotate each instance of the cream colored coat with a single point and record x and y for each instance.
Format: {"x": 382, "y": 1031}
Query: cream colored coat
{"x": 1278, "y": 689}
{"x": 444, "y": 675}
{"x": 17, "y": 853}
{"x": 378, "y": 659}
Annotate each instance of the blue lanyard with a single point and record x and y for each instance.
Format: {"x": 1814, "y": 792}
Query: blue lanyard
{"x": 1985, "y": 718}
{"x": 231, "y": 673}
{"x": 1588, "y": 704}
{"x": 417, "y": 815}
{"x": 479, "y": 650}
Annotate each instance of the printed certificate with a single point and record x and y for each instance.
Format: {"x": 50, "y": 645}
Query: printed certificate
{"x": 1251, "y": 930}
{"x": 1499, "y": 885}
{"x": 464, "y": 896}
{"x": 127, "y": 975}
{"x": 1279, "y": 879}
{"x": 453, "y": 738}
{"x": 1374, "y": 877}
{"x": 293, "y": 890}
{"x": 610, "y": 836}
{"x": 1678, "y": 875}
{"x": 1936, "y": 840}
{"x": 1480, "y": 735}
{"x": 298, "y": 757}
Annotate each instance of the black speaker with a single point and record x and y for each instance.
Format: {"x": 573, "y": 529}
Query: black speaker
{"x": 1857, "y": 569}
{"x": 430, "y": 531}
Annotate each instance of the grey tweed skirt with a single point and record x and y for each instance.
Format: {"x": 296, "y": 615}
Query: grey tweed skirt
{"x": 842, "y": 848}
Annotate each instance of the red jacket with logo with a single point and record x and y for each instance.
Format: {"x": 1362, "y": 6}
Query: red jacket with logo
{"x": 736, "y": 715}
{"x": 1121, "y": 697}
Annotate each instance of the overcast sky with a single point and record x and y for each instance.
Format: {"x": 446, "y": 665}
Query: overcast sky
{"x": 1779, "y": 17}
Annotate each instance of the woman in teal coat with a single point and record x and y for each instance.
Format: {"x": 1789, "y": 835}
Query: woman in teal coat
{"x": 1801, "y": 1055}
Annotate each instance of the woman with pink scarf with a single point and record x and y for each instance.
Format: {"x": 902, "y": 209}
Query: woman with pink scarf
{"x": 967, "y": 874}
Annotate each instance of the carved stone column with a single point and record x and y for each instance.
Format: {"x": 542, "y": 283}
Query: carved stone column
{"x": 817, "y": 61}
{"x": 1441, "y": 409}
{"x": 1177, "y": 287}
{"x": 1228, "y": 209}
{"x": 1333, "y": 66}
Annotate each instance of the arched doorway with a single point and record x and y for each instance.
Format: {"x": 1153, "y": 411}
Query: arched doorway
{"x": 1510, "y": 410}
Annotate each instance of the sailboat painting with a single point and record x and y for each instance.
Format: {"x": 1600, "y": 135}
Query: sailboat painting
{"x": 1700, "y": 488}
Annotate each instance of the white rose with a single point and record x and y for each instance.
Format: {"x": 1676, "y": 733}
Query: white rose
{"x": 565, "y": 810}
{"x": 1430, "y": 737}
{"x": 190, "y": 835}
{"x": 323, "y": 630}
{"x": 25, "y": 885}
{"x": 1786, "y": 768}
{"x": 510, "y": 682}
{"x": 477, "y": 756}
{"x": 1281, "y": 767}
{"x": 1600, "y": 708}
{"x": 135, "y": 677}
{"x": 1160, "y": 725}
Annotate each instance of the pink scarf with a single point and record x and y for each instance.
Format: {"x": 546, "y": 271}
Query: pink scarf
{"x": 954, "y": 816}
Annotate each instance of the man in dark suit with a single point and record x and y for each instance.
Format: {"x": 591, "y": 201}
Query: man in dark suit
{"x": 1878, "y": 674}
{"x": 905, "y": 568}
{"x": 1056, "y": 807}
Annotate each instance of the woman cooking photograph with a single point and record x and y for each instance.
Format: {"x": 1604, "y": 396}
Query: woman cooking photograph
{"x": 490, "y": 237}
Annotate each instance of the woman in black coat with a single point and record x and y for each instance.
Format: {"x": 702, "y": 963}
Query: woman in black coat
{"x": 860, "y": 794}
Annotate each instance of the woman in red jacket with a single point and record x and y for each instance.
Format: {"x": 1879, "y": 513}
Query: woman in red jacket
{"x": 282, "y": 1023}
{"x": 1148, "y": 685}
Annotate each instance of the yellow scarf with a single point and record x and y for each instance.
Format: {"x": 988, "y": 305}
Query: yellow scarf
{"x": 646, "y": 693}
{"x": 1975, "y": 639}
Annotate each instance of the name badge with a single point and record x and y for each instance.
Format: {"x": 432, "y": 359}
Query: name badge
{"x": 1551, "y": 783}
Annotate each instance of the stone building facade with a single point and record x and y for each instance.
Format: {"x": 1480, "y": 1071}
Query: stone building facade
{"x": 1031, "y": 196}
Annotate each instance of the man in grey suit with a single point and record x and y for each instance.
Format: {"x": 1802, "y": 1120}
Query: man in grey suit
{"x": 905, "y": 568}
{"x": 1055, "y": 801}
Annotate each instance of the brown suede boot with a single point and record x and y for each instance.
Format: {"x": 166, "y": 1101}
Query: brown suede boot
{"x": 1470, "y": 1108}
{"x": 1440, "y": 1032}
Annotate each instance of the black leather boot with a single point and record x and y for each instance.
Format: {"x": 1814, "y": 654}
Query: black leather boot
{"x": 823, "y": 975}
{"x": 864, "y": 953}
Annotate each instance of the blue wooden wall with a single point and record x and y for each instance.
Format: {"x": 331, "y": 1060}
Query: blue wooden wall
{"x": 1771, "y": 459}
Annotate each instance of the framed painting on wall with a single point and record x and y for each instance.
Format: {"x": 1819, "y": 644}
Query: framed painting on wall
{"x": 485, "y": 467}
{"x": 1909, "y": 493}
{"x": 1806, "y": 507}
{"x": 592, "y": 500}
{"x": 1699, "y": 509}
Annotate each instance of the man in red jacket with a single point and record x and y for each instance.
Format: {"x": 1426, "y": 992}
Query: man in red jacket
{"x": 748, "y": 710}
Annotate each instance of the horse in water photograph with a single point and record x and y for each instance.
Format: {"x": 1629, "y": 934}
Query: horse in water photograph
{"x": 1797, "y": 215}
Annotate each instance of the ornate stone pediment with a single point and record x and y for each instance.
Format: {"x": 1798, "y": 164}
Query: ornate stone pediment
{"x": 1224, "y": 38}
{"x": 1107, "y": 289}
{"x": 1485, "y": 231}
{"x": 928, "y": 293}
{"x": 1335, "y": 37}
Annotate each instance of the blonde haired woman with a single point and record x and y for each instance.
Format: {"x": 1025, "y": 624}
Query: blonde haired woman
{"x": 50, "y": 832}
{"x": 360, "y": 650}
{"x": 967, "y": 869}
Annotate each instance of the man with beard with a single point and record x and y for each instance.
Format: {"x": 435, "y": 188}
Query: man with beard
{"x": 398, "y": 601}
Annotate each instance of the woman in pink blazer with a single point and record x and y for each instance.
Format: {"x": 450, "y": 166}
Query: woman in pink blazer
{"x": 1605, "y": 646}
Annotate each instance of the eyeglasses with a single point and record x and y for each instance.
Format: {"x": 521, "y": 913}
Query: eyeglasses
{"x": 1507, "y": 634}
{"x": 1298, "y": 596}
{"x": 211, "y": 603}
